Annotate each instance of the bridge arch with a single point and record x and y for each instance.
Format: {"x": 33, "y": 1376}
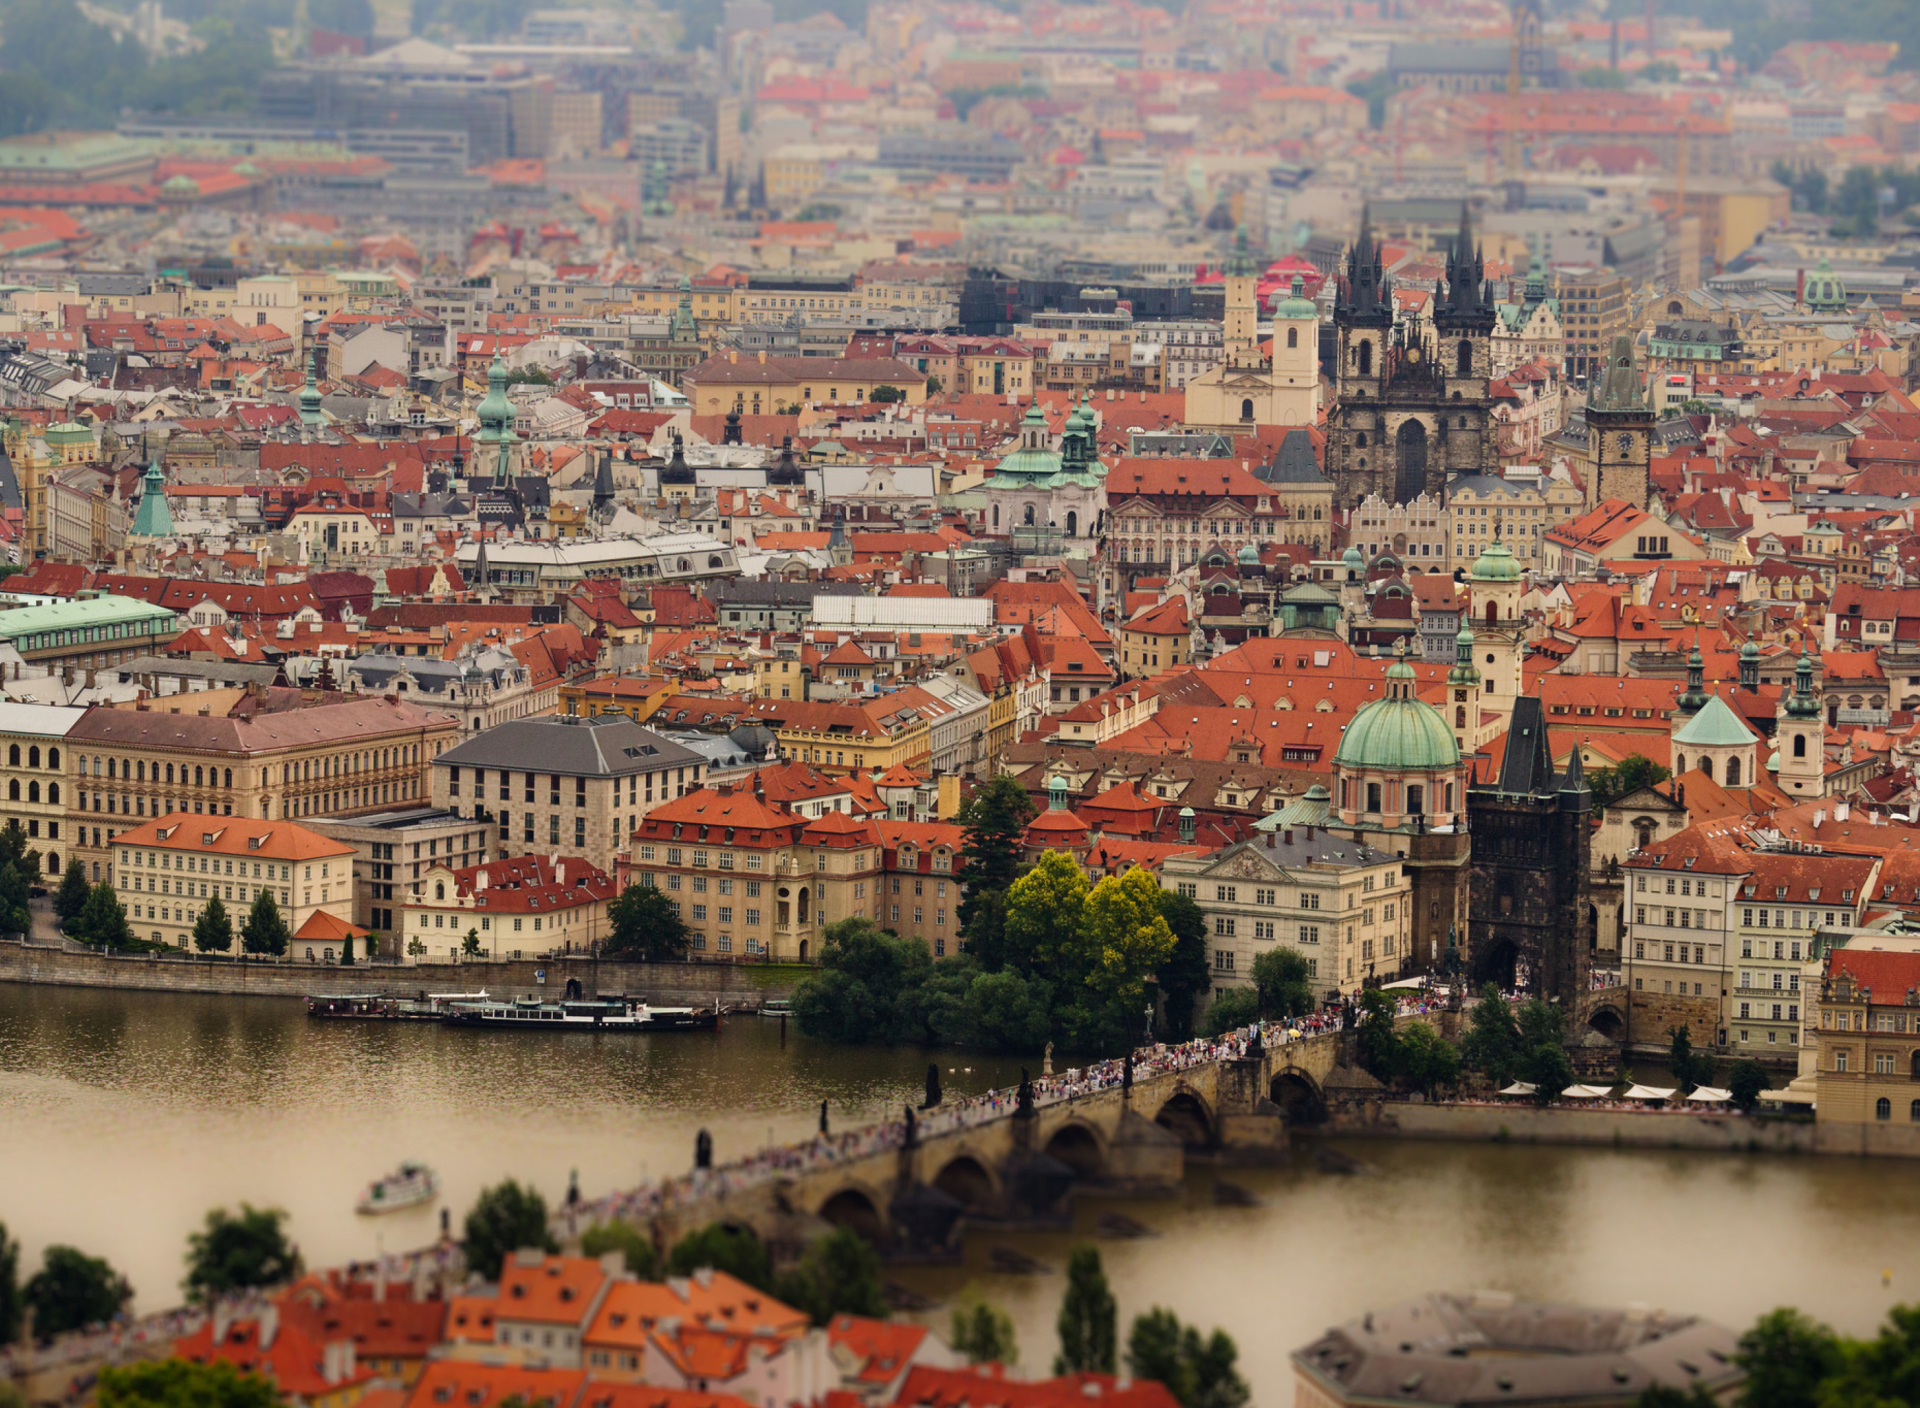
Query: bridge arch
{"x": 1298, "y": 1095}
{"x": 859, "y": 1209}
{"x": 969, "y": 1181}
{"x": 1080, "y": 1147}
{"x": 1608, "y": 1021}
{"x": 1187, "y": 1115}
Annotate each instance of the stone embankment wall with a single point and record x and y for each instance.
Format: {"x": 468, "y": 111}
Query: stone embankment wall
{"x": 734, "y": 986}
{"x": 1623, "y": 1129}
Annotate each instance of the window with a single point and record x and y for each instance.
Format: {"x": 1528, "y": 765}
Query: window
{"x": 1223, "y": 960}
{"x": 1222, "y": 927}
{"x": 1224, "y": 893}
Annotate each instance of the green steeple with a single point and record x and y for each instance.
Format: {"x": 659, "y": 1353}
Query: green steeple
{"x": 1239, "y": 264}
{"x": 1463, "y": 672}
{"x": 1694, "y": 698}
{"x": 310, "y": 401}
{"x": 154, "y": 519}
{"x": 1802, "y": 703}
{"x": 496, "y": 420}
{"x": 1496, "y": 564}
{"x": 682, "y": 327}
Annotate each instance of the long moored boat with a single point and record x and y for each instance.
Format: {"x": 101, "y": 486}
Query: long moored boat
{"x": 616, "y": 1014}
{"x": 385, "y": 1007}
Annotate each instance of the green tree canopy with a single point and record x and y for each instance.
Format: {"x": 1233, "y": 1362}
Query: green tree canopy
{"x": 19, "y": 870}
{"x": 1745, "y": 1082}
{"x": 1233, "y": 1009}
{"x": 636, "y": 1251}
{"x": 1127, "y": 938}
{"x": 869, "y": 987}
{"x": 1088, "y": 1319}
{"x": 10, "y": 1303}
{"x": 71, "y": 898}
{"x": 734, "y": 1250}
{"x": 72, "y": 1290}
{"x": 1379, "y": 1043}
{"x": 645, "y": 924}
{"x": 265, "y": 931}
{"x": 993, "y": 818}
{"x": 180, "y": 1383}
{"x": 238, "y": 1253}
{"x": 1186, "y": 974}
{"x": 213, "y": 930}
{"x": 837, "y": 1275}
{"x": 1631, "y": 774}
{"x": 1429, "y": 1062}
{"x": 1199, "y": 1372}
{"x": 503, "y": 1219}
{"x": 1787, "y": 1357}
{"x": 982, "y": 1331}
{"x": 104, "y": 919}
{"x": 1492, "y": 1041}
{"x": 1690, "y": 1068}
{"x": 1046, "y": 908}
{"x": 1285, "y": 984}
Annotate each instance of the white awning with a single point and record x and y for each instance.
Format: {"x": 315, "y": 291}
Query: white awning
{"x": 1586, "y": 1092}
{"x": 1648, "y": 1092}
{"x": 1520, "y": 1087}
{"x": 1711, "y": 1095}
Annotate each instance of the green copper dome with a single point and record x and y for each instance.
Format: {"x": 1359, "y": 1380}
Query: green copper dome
{"x": 495, "y": 410}
{"x": 1295, "y": 303}
{"x": 1249, "y": 556}
{"x": 1398, "y": 733}
{"x": 1496, "y": 564}
{"x": 1715, "y": 726}
{"x": 1749, "y": 651}
{"x": 1353, "y": 560}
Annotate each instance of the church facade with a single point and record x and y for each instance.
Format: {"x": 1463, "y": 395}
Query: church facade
{"x": 1411, "y": 408}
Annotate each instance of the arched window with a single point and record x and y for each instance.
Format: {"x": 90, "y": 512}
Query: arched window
{"x": 1883, "y": 1108}
{"x": 1373, "y": 796}
{"x": 1293, "y": 337}
{"x": 1799, "y": 745}
{"x": 156, "y": 772}
{"x": 53, "y": 793}
{"x": 53, "y": 863}
{"x": 1643, "y": 833}
{"x": 199, "y": 777}
{"x": 1463, "y": 358}
{"x": 1733, "y": 772}
{"x": 1706, "y": 769}
{"x": 33, "y": 791}
{"x": 439, "y": 889}
{"x": 1459, "y": 716}
{"x": 1027, "y": 516}
{"x": 53, "y": 755}
{"x": 1360, "y": 441}
{"x": 1416, "y": 801}
{"x": 13, "y": 789}
{"x": 33, "y": 757}
{"x": 1366, "y": 358}
{"x": 1246, "y": 408}
{"x": 1073, "y": 523}
{"x": 1493, "y": 612}
{"x": 996, "y": 515}
{"x": 229, "y": 778}
{"x": 1680, "y": 765}
{"x": 140, "y": 770}
{"x": 13, "y": 755}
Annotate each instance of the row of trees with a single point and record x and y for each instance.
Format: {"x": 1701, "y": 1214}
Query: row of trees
{"x": 94, "y": 914}
{"x": 1199, "y": 1370}
{"x": 72, "y": 1290}
{"x": 1045, "y": 957}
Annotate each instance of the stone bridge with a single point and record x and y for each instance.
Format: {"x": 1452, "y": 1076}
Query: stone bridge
{"x": 1012, "y": 1169}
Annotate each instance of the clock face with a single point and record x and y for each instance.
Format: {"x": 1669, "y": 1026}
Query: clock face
{"x": 1413, "y": 354}
{"x": 1624, "y": 444}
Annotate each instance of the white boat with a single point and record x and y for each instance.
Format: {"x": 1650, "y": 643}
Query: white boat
{"x": 407, "y": 1186}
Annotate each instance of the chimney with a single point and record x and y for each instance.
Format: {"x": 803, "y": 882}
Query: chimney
{"x": 1289, "y": 835}
{"x": 269, "y": 1325}
{"x": 1271, "y": 842}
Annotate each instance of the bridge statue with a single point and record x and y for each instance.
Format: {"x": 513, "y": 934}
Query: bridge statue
{"x": 1126, "y": 1072}
{"x": 823, "y": 1118}
{"x": 1046, "y": 1061}
{"x": 1023, "y": 1100}
{"x": 933, "y": 1086}
{"x": 913, "y": 1130}
{"x": 703, "y": 1150}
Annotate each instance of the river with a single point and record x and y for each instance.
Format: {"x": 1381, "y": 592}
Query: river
{"x": 125, "y": 1116}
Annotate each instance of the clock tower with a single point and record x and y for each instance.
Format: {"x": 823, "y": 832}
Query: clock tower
{"x": 1619, "y": 431}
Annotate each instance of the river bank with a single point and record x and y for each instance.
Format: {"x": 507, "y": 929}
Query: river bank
{"x": 734, "y": 986}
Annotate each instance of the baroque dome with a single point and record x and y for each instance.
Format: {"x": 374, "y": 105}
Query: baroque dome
{"x": 1398, "y": 733}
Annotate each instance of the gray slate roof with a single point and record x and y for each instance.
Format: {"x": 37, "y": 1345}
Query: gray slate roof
{"x": 1295, "y": 463}
{"x": 608, "y": 746}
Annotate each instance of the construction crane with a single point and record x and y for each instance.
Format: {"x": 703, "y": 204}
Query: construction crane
{"x": 1513, "y": 99}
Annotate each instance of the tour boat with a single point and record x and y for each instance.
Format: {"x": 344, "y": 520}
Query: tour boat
{"x": 777, "y": 1007}
{"x": 379, "y": 1007}
{"x": 614, "y": 1014}
{"x": 407, "y": 1186}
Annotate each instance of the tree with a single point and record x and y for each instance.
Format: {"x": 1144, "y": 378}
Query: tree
{"x": 1003, "y": 1012}
{"x": 265, "y": 931}
{"x": 505, "y": 1218}
{"x": 180, "y": 1383}
{"x": 734, "y": 1250}
{"x": 1786, "y": 1357}
{"x": 869, "y": 988}
{"x": 1045, "y": 910}
{"x": 645, "y": 924}
{"x": 19, "y": 870}
{"x": 1378, "y": 1042}
{"x": 1200, "y": 1373}
{"x": 1233, "y": 1009}
{"x": 635, "y": 1250}
{"x": 470, "y": 945}
{"x": 346, "y": 951}
{"x": 1284, "y": 982}
{"x": 838, "y": 1275}
{"x": 104, "y": 919}
{"x": 934, "y": 385}
{"x": 982, "y": 1331}
{"x": 1631, "y": 774}
{"x": 1745, "y": 1082}
{"x": 71, "y": 898}
{"x": 994, "y": 818}
{"x": 1492, "y": 1043}
{"x": 529, "y": 376}
{"x": 1543, "y": 1061}
{"x": 1428, "y": 1061}
{"x": 239, "y": 1253}
{"x": 1186, "y": 974}
{"x": 10, "y": 1304}
{"x": 1126, "y": 938}
{"x": 1883, "y": 1372}
{"x": 72, "y": 1291}
{"x": 213, "y": 930}
{"x": 886, "y": 395}
{"x": 1087, "y": 1323}
{"x": 1690, "y": 1068}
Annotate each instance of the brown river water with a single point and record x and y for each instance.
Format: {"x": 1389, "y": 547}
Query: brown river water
{"x": 125, "y": 1116}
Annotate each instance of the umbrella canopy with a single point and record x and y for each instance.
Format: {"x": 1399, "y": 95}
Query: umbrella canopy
{"x": 1520, "y": 1087}
{"x": 1585, "y": 1092}
{"x": 1711, "y": 1095}
{"x": 1648, "y": 1092}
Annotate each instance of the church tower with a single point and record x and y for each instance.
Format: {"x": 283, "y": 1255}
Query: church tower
{"x": 1494, "y": 588}
{"x": 1801, "y": 733}
{"x": 1619, "y": 431}
{"x": 1241, "y": 333}
{"x": 1357, "y": 458}
{"x": 1296, "y": 354}
{"x": 1463, "y": 689}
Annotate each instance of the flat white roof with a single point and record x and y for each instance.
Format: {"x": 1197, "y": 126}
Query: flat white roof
{"x": 46, "y": 720}
{"x": 905, "y": 613}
